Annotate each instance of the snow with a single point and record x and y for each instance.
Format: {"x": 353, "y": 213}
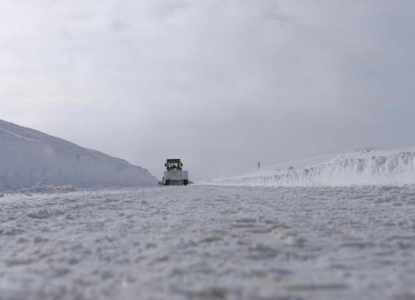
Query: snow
{"x": 29, "y": 157}
{"x": 41, "y": 188}
{"x": 209, "y": 242}
{"x": 363, "y": 167}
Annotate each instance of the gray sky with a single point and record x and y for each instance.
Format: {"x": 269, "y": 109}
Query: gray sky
{"x": 219, "y": 83}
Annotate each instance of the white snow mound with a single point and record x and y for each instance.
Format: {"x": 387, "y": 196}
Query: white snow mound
{"x": 28, "y": 157}
{"x": 363, "y": 167}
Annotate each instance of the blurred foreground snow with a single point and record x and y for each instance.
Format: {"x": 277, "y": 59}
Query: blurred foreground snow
{"x": 205, "y": 242}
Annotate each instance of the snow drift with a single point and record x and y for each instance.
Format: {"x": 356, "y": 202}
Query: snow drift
{"x": 28, "y": 157}
{"x": 363, "y": 167}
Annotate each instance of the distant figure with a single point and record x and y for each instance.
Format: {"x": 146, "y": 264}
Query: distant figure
{"x": 259, "y": 165}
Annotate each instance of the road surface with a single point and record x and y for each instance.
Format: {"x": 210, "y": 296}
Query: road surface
{"x": 201, "y": 242}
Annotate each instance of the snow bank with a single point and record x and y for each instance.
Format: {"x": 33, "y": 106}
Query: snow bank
{"x": 363, "y": 167}
{"x": 41, "y": 188}
{"x": 28, "y": 157}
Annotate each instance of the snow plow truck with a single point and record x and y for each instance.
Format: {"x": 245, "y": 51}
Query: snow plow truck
{"x": 174, "y": 174}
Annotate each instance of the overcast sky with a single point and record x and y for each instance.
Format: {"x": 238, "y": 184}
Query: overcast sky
{"x": 219, "y": 83}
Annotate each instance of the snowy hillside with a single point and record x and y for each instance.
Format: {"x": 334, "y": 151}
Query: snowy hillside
{"x": 28, "y": 157}
{"x": 363, "y": 167}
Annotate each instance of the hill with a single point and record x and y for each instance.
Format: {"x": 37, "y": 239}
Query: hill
{"x": 28, "y": 157}
{"x": 362, "y": 167}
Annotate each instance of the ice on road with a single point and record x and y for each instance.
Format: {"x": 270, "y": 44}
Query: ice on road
{"x": 205, "y": 242}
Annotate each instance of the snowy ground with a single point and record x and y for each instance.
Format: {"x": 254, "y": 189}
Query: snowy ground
{"x": 203, "y": 242}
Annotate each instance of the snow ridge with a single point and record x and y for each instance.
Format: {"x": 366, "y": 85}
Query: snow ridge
{"x": 364, "y": 167}
{"x": 28, "y": 157}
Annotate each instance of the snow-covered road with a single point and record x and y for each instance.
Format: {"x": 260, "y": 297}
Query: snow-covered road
{"x": 203, "y": 242}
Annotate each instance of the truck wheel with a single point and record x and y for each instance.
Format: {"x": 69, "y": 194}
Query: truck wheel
{"x": 185, "y": 182}
{"x": 167, "y": 182}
